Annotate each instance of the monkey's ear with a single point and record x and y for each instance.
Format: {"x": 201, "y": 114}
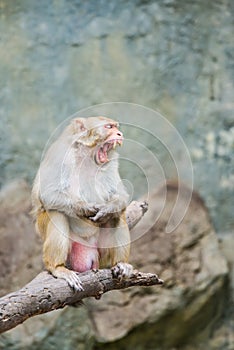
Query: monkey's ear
{"x": 78, "y": 125}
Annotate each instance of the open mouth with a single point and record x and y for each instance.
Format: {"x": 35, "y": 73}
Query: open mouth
{"x": 102, "y": 152}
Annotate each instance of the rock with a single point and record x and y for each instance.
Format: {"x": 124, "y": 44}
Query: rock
{"x": 192, "y": 297}
{"x": 180, "y": 313}
{"x": 227, "y": 248}
{"x": 21, "y": 261}
{"x": 20, "y": 247}
{"x": 99, "y": 27}
{"x": 172, "y": 56}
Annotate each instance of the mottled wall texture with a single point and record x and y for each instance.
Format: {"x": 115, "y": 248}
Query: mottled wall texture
{"x": 176, "y": 56}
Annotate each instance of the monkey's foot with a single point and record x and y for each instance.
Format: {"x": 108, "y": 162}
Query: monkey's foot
{"x": 122, "y": 270}
{"x": 71, "y": 277}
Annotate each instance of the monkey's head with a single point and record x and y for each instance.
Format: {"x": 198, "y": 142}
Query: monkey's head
{"x": 100, "y": 134}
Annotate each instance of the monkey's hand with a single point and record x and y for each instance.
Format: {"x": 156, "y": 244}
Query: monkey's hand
{"x": 108, "y": 210}
{"x": 122, "y": 270}
{"x": 86, "y": 210}
{"x": 101, "y": 216}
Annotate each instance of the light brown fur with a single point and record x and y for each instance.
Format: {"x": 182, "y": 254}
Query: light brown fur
{"x": 79, "y": 201}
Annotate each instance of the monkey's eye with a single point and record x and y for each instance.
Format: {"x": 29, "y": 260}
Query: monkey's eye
{"x": 108, "y": 126}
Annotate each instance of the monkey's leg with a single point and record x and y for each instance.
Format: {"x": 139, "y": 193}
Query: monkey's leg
{"x": 114, "y": 246}
{"x": 56, "y": 249}
{"x": 120, "y": 267}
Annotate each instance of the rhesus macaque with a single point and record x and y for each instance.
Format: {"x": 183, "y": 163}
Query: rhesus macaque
{"x": 79, "y": 202}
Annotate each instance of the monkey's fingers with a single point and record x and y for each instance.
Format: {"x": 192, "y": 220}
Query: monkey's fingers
{"x": 98, "y": 216}
{"x": 122, "y": 270}
{"x": 71, "y": 277}
{"x": 74, "y": 281}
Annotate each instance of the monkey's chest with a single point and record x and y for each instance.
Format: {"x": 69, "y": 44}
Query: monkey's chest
{"x": 94, "y": 193}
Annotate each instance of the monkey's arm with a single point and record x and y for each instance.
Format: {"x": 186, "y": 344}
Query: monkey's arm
{"x": 59, "y": 200}
{"x": 134, "y": 212}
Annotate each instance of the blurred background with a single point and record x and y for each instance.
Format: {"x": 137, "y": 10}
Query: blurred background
{"x": 176, "y": 57}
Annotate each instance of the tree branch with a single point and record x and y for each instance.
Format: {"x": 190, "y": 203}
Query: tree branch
{"x": 45, "y": 293}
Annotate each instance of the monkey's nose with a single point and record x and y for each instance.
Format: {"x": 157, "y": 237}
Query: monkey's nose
{"x": 119, "y": 133}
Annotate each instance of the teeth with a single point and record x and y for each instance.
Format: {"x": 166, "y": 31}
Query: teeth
{"x": 114, "y": 144}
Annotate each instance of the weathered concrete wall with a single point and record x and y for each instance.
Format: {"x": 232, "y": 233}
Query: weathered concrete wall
{"x": 175, "y": 56}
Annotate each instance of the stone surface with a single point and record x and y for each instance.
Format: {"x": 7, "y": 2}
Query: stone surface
{"x": 175, "y": 56}
{"x": 181, "y": 314}
{"x": 20, "y": 247}
{"x": 20, "y": 261}
{"x": 191, "y": 301}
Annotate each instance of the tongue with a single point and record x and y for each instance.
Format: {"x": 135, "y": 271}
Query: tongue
{"x": 102, "y": 155}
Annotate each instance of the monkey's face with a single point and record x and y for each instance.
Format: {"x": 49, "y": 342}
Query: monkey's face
{"x": 101, "y": 135}
{"x": 110, "y": 139}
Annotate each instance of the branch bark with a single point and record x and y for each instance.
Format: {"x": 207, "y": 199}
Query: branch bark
{"x": 45, "y": 293}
